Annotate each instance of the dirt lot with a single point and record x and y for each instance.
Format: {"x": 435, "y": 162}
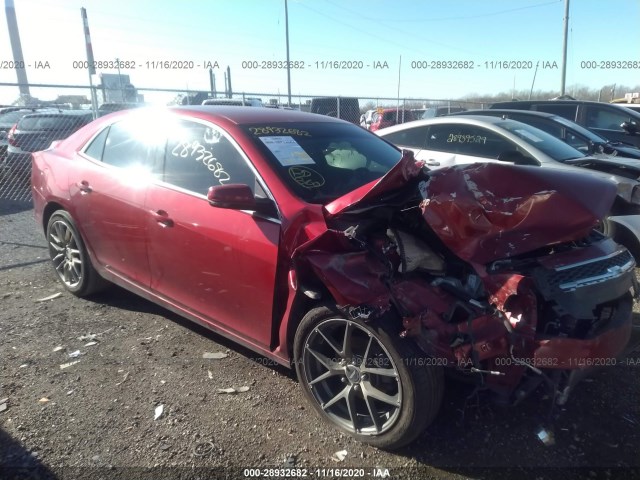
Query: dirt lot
{"x": 95, "y": 418}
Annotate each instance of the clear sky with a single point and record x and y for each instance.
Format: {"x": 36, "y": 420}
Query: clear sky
{"x": 400, "y": 36}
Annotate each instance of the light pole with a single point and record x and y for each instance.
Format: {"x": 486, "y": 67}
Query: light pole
{"x": 286, "y": 21}
{"x": 564, "y": 47}
{"x": 120, "y": 79}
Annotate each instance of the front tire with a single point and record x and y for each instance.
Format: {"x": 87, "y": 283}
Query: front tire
{"x": 363, "y": 380}
{"x": 69, "y": 256}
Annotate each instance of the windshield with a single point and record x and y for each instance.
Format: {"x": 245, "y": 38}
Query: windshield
{"x": 548, "y": 144}
{"x": 322, "y": 161}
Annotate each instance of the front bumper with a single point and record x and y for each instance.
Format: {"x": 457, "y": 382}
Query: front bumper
{"x": 598, "y": 351}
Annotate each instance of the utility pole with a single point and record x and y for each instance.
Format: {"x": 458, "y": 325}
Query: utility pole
{"x": 534, "y": 81}
{"x": 16, "y": 48}
{"x": 91, "y": 69}
{"x": 120, "y": 80}
{"x": 286, "y": 21}
{"x": 398, "y": 102}
{"x": 212, "y": 82}
{"x": 564, "y": 47}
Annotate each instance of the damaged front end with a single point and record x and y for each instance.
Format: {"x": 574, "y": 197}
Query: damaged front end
{"x": 492, "y": 270}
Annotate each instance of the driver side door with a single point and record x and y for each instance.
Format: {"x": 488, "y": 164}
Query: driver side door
{"x": 217, "y": 264}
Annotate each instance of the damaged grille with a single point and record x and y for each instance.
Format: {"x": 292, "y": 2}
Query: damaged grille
{"x": 578, "y": 275}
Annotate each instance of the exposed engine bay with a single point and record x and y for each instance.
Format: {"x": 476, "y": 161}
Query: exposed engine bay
{"x": 504, "y": 282}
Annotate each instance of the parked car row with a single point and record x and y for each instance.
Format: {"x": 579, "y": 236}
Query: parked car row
{"x": 569, "y": 132}
{"x": 612, "y": 121}
{"x": 479, "y": 249}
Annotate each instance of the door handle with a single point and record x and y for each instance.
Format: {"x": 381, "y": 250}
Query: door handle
{"x": 84, "y": 187}
{"x": 432, "y": 163}
{"x": 162, "y": 218}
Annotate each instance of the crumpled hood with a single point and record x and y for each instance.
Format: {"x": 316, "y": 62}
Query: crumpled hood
{"x": 487, "y": 211}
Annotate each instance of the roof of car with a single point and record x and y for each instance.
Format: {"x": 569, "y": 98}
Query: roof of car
{"x": 504, "y": 111}
{"x": 251, "y": 115}
{"x": 527, "y": 104}
{"x": 552, "y": 102}
{"x": 454, "y": 119}
{"x": 60, "y": 113}
{"x": 468, "y": 119}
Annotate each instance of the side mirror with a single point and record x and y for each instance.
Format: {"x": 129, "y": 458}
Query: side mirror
{"x": 593, "y": 148}
{"x": 630, "y": 127}
{"x": 234, "y": 196}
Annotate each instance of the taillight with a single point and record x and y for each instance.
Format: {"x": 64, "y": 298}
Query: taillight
{"x": 11, "y": 139}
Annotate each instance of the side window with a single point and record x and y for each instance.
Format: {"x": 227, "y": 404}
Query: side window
{"x": 410, "y": 137}
{"x": 439, "y": 134}
{"x": 96, "y": 147}
{"x": 577, "y": 141}
{"x": 549, "y": 127}
{"x": 564, "y": 110}
{"x": 199, "y": 156}
{"x": 129, "y": 144}
{"x": 467, "y": 140}
{"x": 605, "y": 118}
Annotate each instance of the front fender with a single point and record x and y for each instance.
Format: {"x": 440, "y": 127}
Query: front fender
{"x": 625, "y": 229}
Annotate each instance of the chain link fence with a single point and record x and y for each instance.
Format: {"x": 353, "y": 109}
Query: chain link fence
{"x": 53, "y": 112}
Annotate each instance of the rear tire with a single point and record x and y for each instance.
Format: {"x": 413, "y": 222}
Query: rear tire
{"x": 364, "y": 380}
{"x": 70, "y": 258}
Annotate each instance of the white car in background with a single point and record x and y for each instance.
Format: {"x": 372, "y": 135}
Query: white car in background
{"x": 459, "y": 140}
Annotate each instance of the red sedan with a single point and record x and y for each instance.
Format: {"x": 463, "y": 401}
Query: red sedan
{"x": 320, "y": 245}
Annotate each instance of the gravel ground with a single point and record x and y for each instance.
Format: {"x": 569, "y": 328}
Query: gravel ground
{"x": 95, "y": 418}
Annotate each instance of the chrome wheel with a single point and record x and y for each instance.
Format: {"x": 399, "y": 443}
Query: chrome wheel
{"x": 352, "y": 376}
{"x": 65, "y": 254}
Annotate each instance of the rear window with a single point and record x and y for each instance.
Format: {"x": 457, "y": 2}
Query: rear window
{"x": 552, "y": 146}
{"x": 51, "y": 122}
{"x": 12, "y": 117}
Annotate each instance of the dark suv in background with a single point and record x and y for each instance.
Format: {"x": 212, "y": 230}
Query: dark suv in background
{"x": 35, "y": 132}
{"x": 615, "y": 122}
{"x": 8, "y": 118}
{"x": 346, "y": 108}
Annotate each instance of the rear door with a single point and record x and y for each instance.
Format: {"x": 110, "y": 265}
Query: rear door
{"x": 108, "y": 190}
{"x": 219, "y": 264}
